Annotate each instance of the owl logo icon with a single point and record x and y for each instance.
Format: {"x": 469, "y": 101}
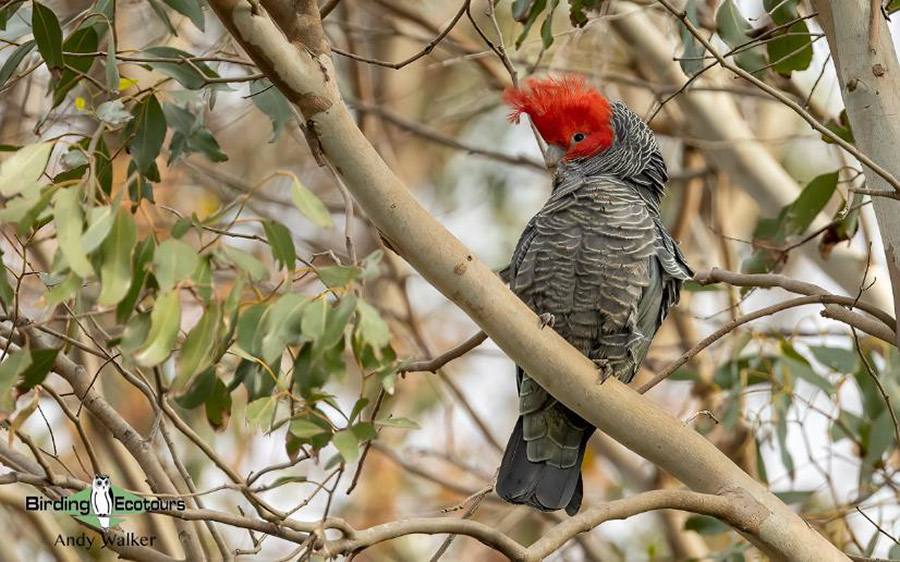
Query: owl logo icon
{"x": 102, "y": 499}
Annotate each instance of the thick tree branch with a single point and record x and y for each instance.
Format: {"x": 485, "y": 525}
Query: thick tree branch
{"x": 869, "y": 73}
{"x": 309, "y": 79}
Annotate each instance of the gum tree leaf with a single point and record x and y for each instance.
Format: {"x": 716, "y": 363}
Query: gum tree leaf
{"x": 191, "y": 76}
{"x": 115, "y": 268}
{"x": 261, "y": 413}
{"x": 347, "y": 445}
{"x": 21, "y": 171}
{"x": 100, "y": 222}
{"x": 173, "y": 262}
{"x": 47, "y": 34}
{"x": 690, "y": 61}
{"x": 69, "y": 224}
{"x": 12, "y": 63}
{"x": 143, "y": 255}
{"x": 164, "y": 323}
{"x": 270, "y": 101}
{"x": 789, "y": 49}
{"x": 402, "y": 423}
{"x": 41, "y": 363}
{"x": 147, "y": 131}
{"x": 734, "y": 29}
{"x": 84, "y": 40}
{"x": 281, "y": 243}
{"x": 191, "y": 9}
{"x": 371, "y": 328}
{"x": 305, "y": 429}
{"x": 14, "y": 364}
{"x": 246, "y": 262}
{"x": 197, "y": 351}
{"x": 111, "y": 67}
{"x": 310, "y": 205}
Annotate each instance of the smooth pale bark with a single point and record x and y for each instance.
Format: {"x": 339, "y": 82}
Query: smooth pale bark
{"x": 867, "y": 68}
{"x": 306, "y": 75}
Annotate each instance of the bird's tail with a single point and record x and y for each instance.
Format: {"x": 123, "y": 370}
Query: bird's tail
{"x": 539, "y": 484}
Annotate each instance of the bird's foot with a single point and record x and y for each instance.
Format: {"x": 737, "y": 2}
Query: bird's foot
{"x": 547, "y": 319}
{"x": 605, "y": 369}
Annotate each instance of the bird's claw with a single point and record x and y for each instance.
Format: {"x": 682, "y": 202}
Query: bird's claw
{"x": 547, "y": 319}
{"x": 605, "y": 369}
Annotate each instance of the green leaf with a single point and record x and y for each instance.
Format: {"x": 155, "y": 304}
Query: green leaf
{"x": 100, "y": 221}
{"x": 837, "y": 359}
{"x": 370, "y": 327}
{"x": 40, "y": 364}
{"x": 795, "y": 496}
{"x": 7, "y": 12}
{"x": 218, "y": 405}
{"x": 7, "y": 294}
{"x": 791, "y": 49}
{"x": 547, "y": 26}
{"x": 164, "y": 323}
{"x": 281, "y": 243}
{"x": 402, "y": 423}
{"x": 246, "y": 262}
{"x": 13, "y": 61}
{"x": 691, "y": 61}
{"x": 62, "y": 291}
{"x": 282, "y": 480}
{"x": 115, "y": 268}
{"x": 798, "y": 366}
{"x": 197, "y": 351}
{"x": 191, "y": 76}
{"x": 21, "y": 171}
{"x": 578, "y": 9}
{"x": 142, "y": 256}
{"x": 261, "y": 413}
{"x": 13, "y": 364}
{"x": 48, "y": 35}
{"x": 189, "y": 8}
{"x": 310, "y": 205}
{"x": 69, "y": 223}
{"x": 201, "y": 386}
{"x": 337, "y": 275}
{"x": 801, "y": 213}
{"x": 270, "y": 101}
{"x": 364, "y": 431}
{"x": 174, "y": 261}
{"x": 146, "y": 133}
{"x": 347, "y": 445}
{"x": 705, "y": 525}
{"x": 527, "y": 12}
{"x": 84, "y": 40}
{"x": 190, "y": 136}
{"x": 160, "y": 12}
{"x": 111, "y": 68}
{"x": 281, "y": 326}
{"x": 336, "y": 322}
{"x": 305, "y": 429}
{"x": 734, "y": 30}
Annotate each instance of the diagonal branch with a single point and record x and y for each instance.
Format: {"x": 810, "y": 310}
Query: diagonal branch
{"x": 308, "y": 78}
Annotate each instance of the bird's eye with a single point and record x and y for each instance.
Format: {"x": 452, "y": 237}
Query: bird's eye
{"x": 578, "y": 137}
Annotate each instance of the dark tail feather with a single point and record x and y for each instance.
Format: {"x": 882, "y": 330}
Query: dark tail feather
{"x": 538, "y": 484}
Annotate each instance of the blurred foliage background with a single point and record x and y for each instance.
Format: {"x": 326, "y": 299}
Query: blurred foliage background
{"x": 166, "y": 227}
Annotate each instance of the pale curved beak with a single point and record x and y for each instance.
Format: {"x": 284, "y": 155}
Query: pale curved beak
{"x": 553, "y": 155}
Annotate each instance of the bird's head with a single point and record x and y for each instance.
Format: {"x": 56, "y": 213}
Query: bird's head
{"x": 573, "y": 118}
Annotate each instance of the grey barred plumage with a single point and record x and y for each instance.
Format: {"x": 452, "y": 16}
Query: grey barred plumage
{"x": 599, "y": 260}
